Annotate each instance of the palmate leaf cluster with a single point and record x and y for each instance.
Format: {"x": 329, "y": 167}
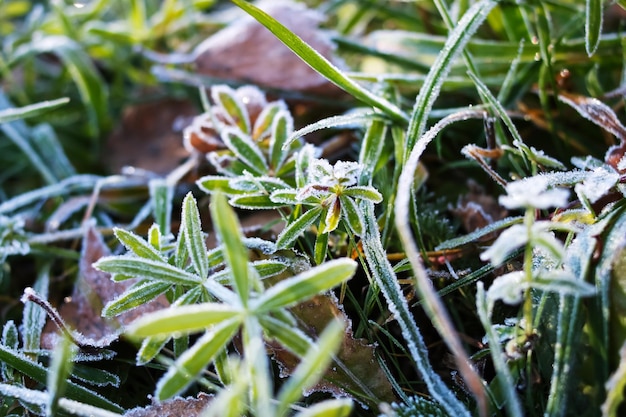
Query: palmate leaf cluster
{"x": 530, "y": 318}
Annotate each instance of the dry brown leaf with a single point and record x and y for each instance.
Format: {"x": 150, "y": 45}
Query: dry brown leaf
{"x": 176, "y": 407}
{"x": 94, "y": 289}
{"x": 245, "y": 51}
{"x": 146, "y": 138}
{"x": 356, "y": 355}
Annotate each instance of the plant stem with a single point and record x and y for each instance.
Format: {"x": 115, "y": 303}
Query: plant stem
{"x": 529, "y": 220}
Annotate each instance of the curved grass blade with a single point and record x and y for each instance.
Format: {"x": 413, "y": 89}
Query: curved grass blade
{"x": 32, "y": 110}
{"x": 455, "y": 43}
{"x": 321, "y": 64}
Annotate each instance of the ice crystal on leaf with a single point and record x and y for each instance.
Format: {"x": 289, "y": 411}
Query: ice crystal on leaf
{"x": 533, "y": 192}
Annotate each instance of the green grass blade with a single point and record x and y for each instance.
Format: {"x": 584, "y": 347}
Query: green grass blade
{"x": 8, "y": 115}
{"x": 593, "y": 25}
{"x": 60, "y": 368}
{"x": 235, "y": 253}
{"x": 321, "y": 64}
{"x": 455, "y": 43}
{"x": 40, "y": 374}
{"x": 91, "y": 86}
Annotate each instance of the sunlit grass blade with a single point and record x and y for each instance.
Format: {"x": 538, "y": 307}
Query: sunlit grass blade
{"x": 371, "y": 148}
{"x": 182, "y": 320}
{"x": 196, "y": 247}
{"x": 321, "y": 64}
{"x": 593, "y": 25}
{"x": 311, "y": 366}
{"x": 455, "y": 43}
{"x": 181, "y": 374}
{"x": 235, "y": 253}
{"x": 305, "y": 285}
{"x": 354, "y": 118}
{"x": 8, "y": 115}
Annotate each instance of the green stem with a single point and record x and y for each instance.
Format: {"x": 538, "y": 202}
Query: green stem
{"x": 529, "y": 220}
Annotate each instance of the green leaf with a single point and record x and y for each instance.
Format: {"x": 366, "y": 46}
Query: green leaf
{"x": 364, "y": 192}
{"x": 286, "y": 334}
{"x": 255, "y": 202}
{"x": 235, "y": 253}
{"x": 236, "y": 112}
{"x": 161, "y": 196}
{"x": 126, "y": 267}
{"x": 593, "y": 25}
{"x": 90, "y": 84}
{"x": 316, "y": 61}
{"x": 138, "y": 295}
{"x": 182, "y": 320}
{"x": 265, "y": 120}
{"x": 214, "y": 183}
{"x": 59, "y": 370}
{"x": 333, "y": 215}
{"x": 285, "y": 197}
{"x": 137, "y": 245}
{"x": 181, "y": 374}
{"x": 245, "y": 150}
{"x": 456, "y": 41}
{"x": 279, "y": 148}
{"x": 352, "y": 214}
{"x": 296, "y": 228}
{"x": 149, "y": 348}
{"x": 339, "y": 407}
{"x": 196, "y": 247}
{"x": 32, "y": 110}
{"x": 305, "y": 285}
{"x": 312, "y": 366}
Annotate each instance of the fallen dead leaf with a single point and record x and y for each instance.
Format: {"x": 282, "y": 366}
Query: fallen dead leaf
{"x": 358, "y": 371}
{"x": 146, "y": 137}
{"x": 186, "y": 407}
{"x": 245, "y": 51}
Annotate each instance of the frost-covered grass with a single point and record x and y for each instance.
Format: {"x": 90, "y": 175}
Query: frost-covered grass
{"x": 462, "y": 255}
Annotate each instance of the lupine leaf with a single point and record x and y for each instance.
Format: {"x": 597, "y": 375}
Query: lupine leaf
{"x": 137, "y": 245}
{"x": 190, "y": 223}
{"x": 245, "y": 150}
{"x": 137, "y": 295}
{"x": 195, "y": 359}
{"x": 125, "y": 267}
{"x": 305, "y": 285}
{"x": 296, "y": 228}
{"x": 226, "y": 98}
